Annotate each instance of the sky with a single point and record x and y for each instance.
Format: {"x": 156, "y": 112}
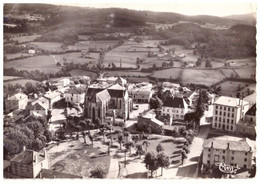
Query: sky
{"x": 187, "y": 7}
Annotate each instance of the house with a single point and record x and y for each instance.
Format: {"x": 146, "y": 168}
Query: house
{"x": 75, "y": 95}
{"x": 175, "y": 108}
{"x": 147, "y": 119}
{"x": 232, "y": 151}
{"x": 63, "y": 81}
{"x": 52, "y": 97}
{"x": 38, "y": 107}
{"x": 247, "y": 124}
{"x": 15, "y": 102}
{"x": 102, "y": 99}
{"x": 28, "y": 164}
{"x": 140, "y": 93}
{"x": 227, "y": 112}
{"x": 31, "y": 51}
{"x": 121, "y": 81}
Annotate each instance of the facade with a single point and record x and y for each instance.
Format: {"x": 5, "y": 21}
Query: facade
{"x": 247, "y": 124}
{"x": 175, "y": 108}
{"x": 147, "y": 119}
{"x": 38, "y": 108}
{"x": 232, "y": 151}
{"x": 52, "y": 97}
{"x": 75, "y": 95}
{"x": 60, "y": 81}
{"x": 106, "y": 100}
{"x": 227, "y": 112}
{"x": 15, "y": 102}
{"x": 140, "y": 93}
{"x": 28, "y": 164}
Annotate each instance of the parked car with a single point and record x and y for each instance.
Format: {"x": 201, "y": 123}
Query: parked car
{"x": 135, "y": 107}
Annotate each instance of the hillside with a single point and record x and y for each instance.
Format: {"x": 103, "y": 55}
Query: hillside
{"x": 249, "y": 18}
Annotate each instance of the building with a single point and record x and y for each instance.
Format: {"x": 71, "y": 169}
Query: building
{"x": 227, "y": 112}
{"x": 63, "y": 81}
{"x": 107, "y": 99}
{"x": 140, "y": 93}
{"x": 28, "y": 164}
{"x": 121, "y": 81}
{"x": 16, "y": 102}
{"x": 229, "y": 150}
{"x": 38, "y": 107}
{"x": 247, "y": 124}
{"x": 175, "y": 108}
{"x": 147, "y": 119}
{"x": 52, "y": 97}
{"x": 75, "y": 95}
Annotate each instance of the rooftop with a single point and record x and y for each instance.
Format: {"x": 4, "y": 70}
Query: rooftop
{"x": 17, "y": 97}
{"x": 229, "y": 142}
{"x": 27, "y": 157}
{"x": 252, "y": 111}
{"x": 103, "y": 95}
{"x": 76, "y": 90}
{"x": 175, "y": 102}
{"x": 51, "y": 95}
{"x": 229, "y": 101}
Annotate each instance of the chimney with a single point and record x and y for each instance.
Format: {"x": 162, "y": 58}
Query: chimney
{"x": 211, "y": 144}
{"x": 35, "y": 158}
{"x": 227, "y": 145}
{"x": 24, "y": 148}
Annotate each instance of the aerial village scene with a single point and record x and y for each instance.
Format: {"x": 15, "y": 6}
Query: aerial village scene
{"x": 121, "y": 93}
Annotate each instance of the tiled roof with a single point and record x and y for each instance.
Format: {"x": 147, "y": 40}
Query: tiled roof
{"x": 235, "y": 144}
{"x": 252, "y": 111}
{"x": 116, "y": 93}
{"x": 175, "y": 102}
{"x": 48, "y": 173}
{"x": 76, "y": 90}
{"x": 27, "y": 157}
{"x": 39, "y": 106}
{"x": 51, "y": 95}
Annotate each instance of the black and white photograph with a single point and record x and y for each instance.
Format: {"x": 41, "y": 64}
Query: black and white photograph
{"x": 129, "y": 90}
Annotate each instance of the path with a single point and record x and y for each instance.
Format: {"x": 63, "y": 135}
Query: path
{"x": 54, "y": 59}
{"x": 113, "y": 169}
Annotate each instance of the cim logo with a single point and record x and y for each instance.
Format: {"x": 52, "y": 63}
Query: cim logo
{"x": 227, "y": 168}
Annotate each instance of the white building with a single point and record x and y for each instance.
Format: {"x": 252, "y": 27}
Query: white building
{"x": 15, "y": 102}
{"x": 52, "y": 97}
{"x": 229, "y": 150}
{"x": 140, "y": 93}
{"x": 75, "y": 95}
{"x": 38, "y": 107}
{"x": 227, "y": 112}
{"x": 175, "y": 108}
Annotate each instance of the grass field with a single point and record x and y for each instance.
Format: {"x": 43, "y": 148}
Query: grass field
{"x": 92, "y": 44}
{"x": 228, "y": 72}
{"x": 173, "y": 73}
{"x": 126, "y": 74}
{"x": 13, "y": 56}
{"x": 53, "y": 46}
{"x": 23, "y": 39}
{"x": 77, "y": 72}
{"x": 201, "y": 76}
{"x": 246, "y": 72}
{"x": 21, "y": 82}
{"x": 229, "y": 88}
{"x": 75, "y": 57}
{"x": 249, "y": 62}
{"x": 41, "y": 63}
{"x": 8, "y": 78}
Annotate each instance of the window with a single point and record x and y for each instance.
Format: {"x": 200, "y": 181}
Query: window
{"x": 228, "y": 115}
{"x": 217, "y": 150}
{"x": 228, "y": 109}
{"x": 177, "y": 111}
{"x": 232, "y": 115}
{"x": 231, "y": 127}
{"x": 224, "y": 151}
{"x": 215, "y": 124}
{"x": 208, "y": 162}
{"x": 216, "y": 112}
{"x": 223, "y": 157}
{"x": 220, "y": 113}
{"x": 209, "y": 150}
{"x": 224, "y": 108}
{"x": 219, "y": 125}
{"x": 233, "y": 152}
{"x": 245, "y": 159}
{"x": 208, "y": 155}
{"x": 224, "y": 120}
{"x": 245, "y": 166}
{"x": 232, "y": 121}
{"x": 232, "y": 158}
{"x": 224, "y": 114}
{"x": 251, "y": 119}
{"x": 220, "y": 107}
{"x": 233, "y": 109}
{"x": 216, "y": 107}
{"x": 227, "y": 127}
{"x": 167, "y": 110}
{"x": 227, "y": 120}
{"x": 219, "y": 118}
{"x": 246, "y": 153}
{"x": 216, "y": 118}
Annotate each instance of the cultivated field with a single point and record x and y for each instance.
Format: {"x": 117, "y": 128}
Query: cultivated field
{"x": 77, "y": 72}
{"x": 24, "y": 39}
{"x": 228, "y": 72}
{"x": 16, "y": 55}
{"x": 229, "y": 88}
{"x": 173, "y": 73}
{"x": 8, "y": 78}
{"x": 93, "y": 44}
{"x": 41, "y": 63}
{"x": 126, "y": 74}
{"x": 249, "y": 62}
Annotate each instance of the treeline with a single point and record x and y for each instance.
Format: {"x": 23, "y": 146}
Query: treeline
{"x": 33, "y": 134}
{"x": 55, "y": 36}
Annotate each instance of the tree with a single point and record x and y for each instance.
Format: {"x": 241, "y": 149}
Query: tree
{"x": 155, "y": 103}
{"x": 91, "y": 139}
{"x": 159, "y": 148}
{"x": 163, "y": 161}
{"x": 128, "y": 146}
{"x": 146, "y": 143}
{"x": 151, "y": 162}
{"x": 48, "y": 135}
{"x": 84, "y": 136}
{"x": 120, "y": 140}
{"x": 208, "y": 63}
{"x": 183, "y": 156}
{"x": 139, "y": 150}
{"x": 171, "y": 63}
{"x": 98, "y": 172}
{"x": 49, "y": 115}
{"x": 154, "y": 66}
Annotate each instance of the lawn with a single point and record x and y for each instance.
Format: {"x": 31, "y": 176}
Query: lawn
{"x": 228, "y": 72}
{"x": 23, "y": 39}
{"x": 229, "y": 88}
{"x": 249, "y": 62}
{"x": 75, "y": 157}
{"x": 8, "y": 78}
{"x": 77, "y": 72}
{"x": 93, "y": 44}
{"x": 41, "y": 63}
{"x": 173, "y": 73}
{"x": 201, "y": 76}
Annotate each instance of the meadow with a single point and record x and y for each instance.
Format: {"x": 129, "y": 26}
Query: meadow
{"x": 21, "y": 82}
{"x": 42, "y": 63}
{"x": 52, "y": 46}
{"x": 25, "y": 39}
{"x": 172, "y": 73}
